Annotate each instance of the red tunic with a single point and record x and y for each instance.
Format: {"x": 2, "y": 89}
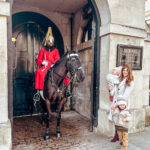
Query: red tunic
{"x": 51, "y": 57}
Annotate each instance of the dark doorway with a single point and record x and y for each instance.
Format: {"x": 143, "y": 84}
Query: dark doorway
{"x": 29, "y": 29}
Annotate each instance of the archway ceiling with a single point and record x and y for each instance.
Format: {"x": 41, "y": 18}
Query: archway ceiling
{"x": 63, "y": 6}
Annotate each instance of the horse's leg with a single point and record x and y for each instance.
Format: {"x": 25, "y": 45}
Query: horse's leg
{"x": 47, "y": 132}
{"x": 58, "y": 133}
{"x": 43, "y": 116}
{"x": 43, "y": 108}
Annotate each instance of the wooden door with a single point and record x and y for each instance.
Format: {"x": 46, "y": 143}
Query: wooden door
{"x": 29, "y": 41}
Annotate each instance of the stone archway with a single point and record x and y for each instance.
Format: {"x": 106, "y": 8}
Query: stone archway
{"x": 96, "y": 56}
{"x": 29, "y": 29}
{"x": 97, "y": 7}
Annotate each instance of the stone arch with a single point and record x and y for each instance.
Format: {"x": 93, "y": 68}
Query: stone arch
{"x": 29, "y": 29}
{"x": 104, "y": 11}
{"x": 51, "y": 16}
{"x": 101, "y": 17}
{"x": 21, "y": 18}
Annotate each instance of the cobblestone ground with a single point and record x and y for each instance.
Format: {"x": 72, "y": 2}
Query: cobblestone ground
{"x": 28, "y": 135}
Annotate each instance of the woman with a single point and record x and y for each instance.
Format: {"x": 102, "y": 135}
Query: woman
{"x": 125, "y": 88}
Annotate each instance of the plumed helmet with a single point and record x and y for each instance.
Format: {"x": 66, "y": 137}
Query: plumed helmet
{"x": 49, "y": 36}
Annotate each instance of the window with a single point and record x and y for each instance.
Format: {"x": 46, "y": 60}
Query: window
{"x": 88, "y": 18}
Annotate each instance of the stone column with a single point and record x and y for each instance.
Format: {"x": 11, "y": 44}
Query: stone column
{"x": 5, "y": 128}
{"x": 147, "y": 61}
{"x": 123, "y": 28}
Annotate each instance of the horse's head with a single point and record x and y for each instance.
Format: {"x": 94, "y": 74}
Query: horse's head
{"x": 75, "y": 66}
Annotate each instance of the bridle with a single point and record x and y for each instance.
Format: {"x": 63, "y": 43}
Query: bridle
{"x": 70, "y": 68}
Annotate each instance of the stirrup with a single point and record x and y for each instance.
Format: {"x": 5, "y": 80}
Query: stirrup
{"x": 36, "y": 97}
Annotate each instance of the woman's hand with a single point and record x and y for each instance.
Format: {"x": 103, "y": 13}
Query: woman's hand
{"x": 110, "y": 88}
{"x": 114, "y": 107}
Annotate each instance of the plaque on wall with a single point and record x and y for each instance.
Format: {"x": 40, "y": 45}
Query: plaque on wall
{"x": 132, "y": 55}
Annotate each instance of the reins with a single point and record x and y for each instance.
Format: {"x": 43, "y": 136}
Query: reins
{"x": 73, "y": 72}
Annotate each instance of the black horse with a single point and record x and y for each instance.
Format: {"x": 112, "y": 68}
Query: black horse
{"x": 54, "y": 87}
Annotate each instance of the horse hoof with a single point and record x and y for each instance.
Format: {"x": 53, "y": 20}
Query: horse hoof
{"x": 58, "y": 135}
{"x": 46, "y": 137}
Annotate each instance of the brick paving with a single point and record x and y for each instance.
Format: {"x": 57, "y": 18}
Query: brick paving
{"x": 28, "y": 135}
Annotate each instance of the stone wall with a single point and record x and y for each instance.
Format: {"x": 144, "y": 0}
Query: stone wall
{"x": 5, "y": 127}
{"x": 82, "y": 92}
{"x": 82, "y": 98}
{"x": 127, "y": 30}
{"x": 126, "y": 13}
{"x": 140, "y": 94}
{"x": 147, "y": 68}
{"x": 3, "y": 57}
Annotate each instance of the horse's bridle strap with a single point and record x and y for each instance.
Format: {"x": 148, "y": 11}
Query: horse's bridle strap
{"x": 59, "y": 75}
{"x": 72, "y": 72}
{"x": 73, "y": 55}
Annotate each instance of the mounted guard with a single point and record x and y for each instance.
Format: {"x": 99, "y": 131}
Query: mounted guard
{"x": 51, "y": 79}
{"x": 47, "y": 57}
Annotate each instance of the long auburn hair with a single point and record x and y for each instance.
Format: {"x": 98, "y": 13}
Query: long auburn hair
{"x": 129, "y": 77}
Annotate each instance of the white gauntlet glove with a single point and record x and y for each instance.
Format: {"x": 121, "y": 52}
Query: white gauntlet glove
{"x": 52, "y": 65}
{"x": 45, "y": 62}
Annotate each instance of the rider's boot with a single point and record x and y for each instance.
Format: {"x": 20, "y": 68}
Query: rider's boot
{"x": 41, "y": 93}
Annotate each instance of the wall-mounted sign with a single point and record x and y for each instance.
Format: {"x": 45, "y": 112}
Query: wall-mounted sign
{"x": 127, "y": 54}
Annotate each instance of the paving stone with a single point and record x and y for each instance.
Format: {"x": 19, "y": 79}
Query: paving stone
{"x": 28, "y": 135}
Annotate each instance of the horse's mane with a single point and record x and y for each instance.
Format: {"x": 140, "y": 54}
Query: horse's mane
{"x": 63, "y": 57}
{"x": 60, "y": 60}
